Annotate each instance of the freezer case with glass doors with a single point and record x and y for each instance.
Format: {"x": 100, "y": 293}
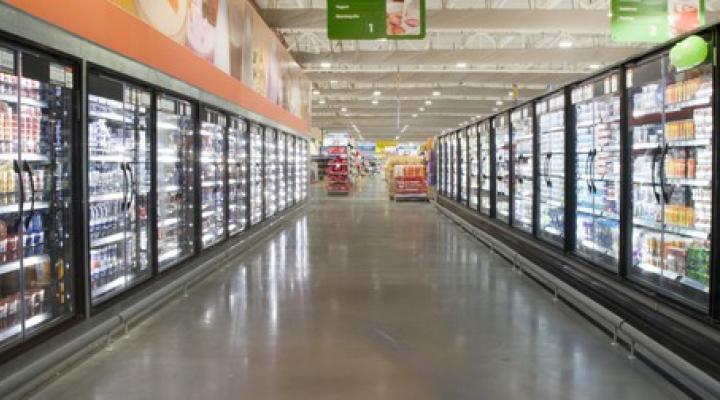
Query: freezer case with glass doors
{"x": 119, "y": 165}
{"x": 503, "y": 154}
{"x": 36, "y": 133}
{"x": 282, "y": 172}
{"x": 256, "y": 174}
{"x": 483, "y": 130}
{"x": 270, "y": 162}
{"x": 462, "y": 160}
{"x": 671, "y": 125}
{"x": 237, "y": 175}
{"x": 522, "y": 176}
{"x": 175, "y": 166}
{"x": 550, "y": 114}
{"x": 213, "y": 170}
{"x": 596, "y": 105}
{"x": 474, "y": 166}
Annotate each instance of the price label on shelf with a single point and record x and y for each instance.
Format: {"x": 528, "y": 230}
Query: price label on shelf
{"x": 57, "y": 74}
{"x": 69, "y": 77}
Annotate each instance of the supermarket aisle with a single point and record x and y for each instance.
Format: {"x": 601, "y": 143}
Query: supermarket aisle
{"x": 364, "y": 299}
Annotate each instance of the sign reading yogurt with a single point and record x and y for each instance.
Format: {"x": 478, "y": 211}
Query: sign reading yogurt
{"x": 376, "y": 19}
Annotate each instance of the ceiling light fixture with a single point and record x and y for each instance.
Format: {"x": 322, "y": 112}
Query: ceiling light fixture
{"x": 499, "y": 102}
{"x": 344, "y": 109}
{"x": 421, "y": 109}
{"x": 377, "y": 93}
{"x": 321, "y": 101}
{"x": 496, "y": 109}
{"x": 565, "y": 44}
{"x": 415, "y": 115}
{"x": 428, "y": 102}
{"x": 375, "y": 102}
{"x": 316, "y": 92}
{"x": 595, "y": 66}
{"x": 436, "y": 93}
{"x": 397, "y": 137}
{"x": 325, "y": 65}
{"x": 461, "y": 65}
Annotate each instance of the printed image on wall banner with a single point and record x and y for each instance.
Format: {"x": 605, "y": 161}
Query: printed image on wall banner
{"x": 655, "y": 21}
{"x": 231, "y": 35}
{"x": 376, "y": 19}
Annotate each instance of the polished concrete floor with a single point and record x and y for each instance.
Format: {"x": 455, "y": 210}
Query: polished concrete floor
{"x": 362, "y": 298}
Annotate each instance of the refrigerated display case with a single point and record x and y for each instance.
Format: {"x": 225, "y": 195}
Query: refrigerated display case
{"x": 596, "y": 105}
{"x": 463, "y": 166}
{"x": 522, "y": 175}
{"x": 550, "y": 113}
{"x": 452, "y": 169}
{"x": 442, "y": 166}
{"x": 213, "y": 172}
{"x": 175, "y": 169}
{"x": 671, "y": 125}
{"x": 292, "y": 169}
{"x": 503, "y": 154}
{"x": 119, "y": 165}
{"x": 270, "y": 162}
{"x": 237, "y": 161}
{"x": 256, "y": 174}
{"x": 303, "y": 167}
{"x": 483, "y": 130}
{"x": 36, "y": 132}
{"x": 474, "y": 166}
{"x": 282, "y": 172}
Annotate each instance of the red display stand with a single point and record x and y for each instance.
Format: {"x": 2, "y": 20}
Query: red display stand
{"x": 338, "y": 178}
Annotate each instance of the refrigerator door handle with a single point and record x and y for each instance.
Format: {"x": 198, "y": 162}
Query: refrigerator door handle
{"x": 124, "y": 190}
{"x": 587, "y": 171}
{"x": 653, "y": 173}
{"x": 21, "y": 202}
{"x": 130, "y": 186}
{"x": 666, "y": 195}
{"x": 592, "y": 172}
{"x": 26, "y": 168}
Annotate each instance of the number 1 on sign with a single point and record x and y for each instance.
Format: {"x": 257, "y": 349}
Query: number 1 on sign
{"x": 371, "y": 27}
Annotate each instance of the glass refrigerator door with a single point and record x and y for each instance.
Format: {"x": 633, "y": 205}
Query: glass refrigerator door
{"x": 175, "y": 181}
{"x": 237, "y": 176}
{"x": 452, "y": 170}
{"x": 502, "y": 168}
{"x": 671, "y": 125}
{"x": 304, "y": 170}
{"x": 474, "y": 166}
{"x": 289, "y": 140}
{"x": 36, "y": 267}
{"x": 270, "y": 160}
{"x": 118, "y": 186}
{"x": 212, "y": 176}
{"x": 462, "y": 136}
{"x": 522, "y": 153}
{"x": 298, "y": 171}
{"x": 550, "y": 112}
{"x": 597, "y": 117}
{"x": 282, "y": 172}
{"x": 485, "y": 164}
{"x": 256, "y": 175}
{"x": 441, "y": 165}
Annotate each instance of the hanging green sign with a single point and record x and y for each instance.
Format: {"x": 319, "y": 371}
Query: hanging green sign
{"x": 690, "y": 52}
{"x": 655, "y": 21}
{"x": 376, "y": 19}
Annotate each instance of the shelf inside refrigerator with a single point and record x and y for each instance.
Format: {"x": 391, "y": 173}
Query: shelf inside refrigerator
{"x": 29, "y": 324}
{"x": 665, "y": 273}
{"x": 12, "y": 266}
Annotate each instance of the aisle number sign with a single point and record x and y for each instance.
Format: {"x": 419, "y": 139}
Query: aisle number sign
{"x": 376, "y": 19}
{"x": 655, "y": 21}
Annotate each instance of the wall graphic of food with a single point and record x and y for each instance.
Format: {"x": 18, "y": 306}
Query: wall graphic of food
{"x": 403, "y": 17}
{"x": 169, "y": 17}
{"x": 201, "y": 29}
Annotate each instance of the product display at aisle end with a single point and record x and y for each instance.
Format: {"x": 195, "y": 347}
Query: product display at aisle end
{"x": 550, "y": 113}
{"x": 257, "y": 185}
{"x": 338, "y": 170}
{"x": 175, "y": 180}
{"x": 463, "y": 157}
{"x": 483, "y": 130}
{"x": 303, "y": 168}
{"x": 597, "y": 131}
{"x": 118, "y": 185}
{"x": 671, "y": 117}
{"x": 213, "y": 128}
{"x": 36, "y": 265}
{"x": 503, "y": 154}
{"x": 237, "y": 176}
{"x": 270, "y": 163}
{"x": 282, "y": 172}
{"x": 522, "y": 181}
{"x": 474, "y": 165}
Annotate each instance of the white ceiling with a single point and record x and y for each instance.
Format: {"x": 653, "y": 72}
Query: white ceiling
{"x": 501, "y": 43}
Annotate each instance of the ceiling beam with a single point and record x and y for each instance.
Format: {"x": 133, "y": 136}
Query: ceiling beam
{"x": 499, "y": 77}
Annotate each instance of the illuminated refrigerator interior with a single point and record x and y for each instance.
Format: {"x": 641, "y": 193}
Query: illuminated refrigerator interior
{"x": 474, "y": 166}
{"x": 175, "y": 180}
{"x": 213, "y": 128}
{"x": 237, "y": 176}
{"x": 501, "y": 126}
{"x": 670, "y": 123}
{"x": 597, "y": 131}
{"x": 463, "y": 157}
{"x": 119, "y": 165}
{"x": 522, "y": 154}
{"x": 483, "y": 130}
{"x": 271, "y": 171}
{"x": 550, "y": 113}
{"x": 282, "y": 172}
{"x": 36, "y": 265}
{"x": 256, "y": 174}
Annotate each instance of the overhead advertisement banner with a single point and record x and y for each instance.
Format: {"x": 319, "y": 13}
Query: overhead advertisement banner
{"x": 376, "y": 19}
{"x": 655, "y": 21}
